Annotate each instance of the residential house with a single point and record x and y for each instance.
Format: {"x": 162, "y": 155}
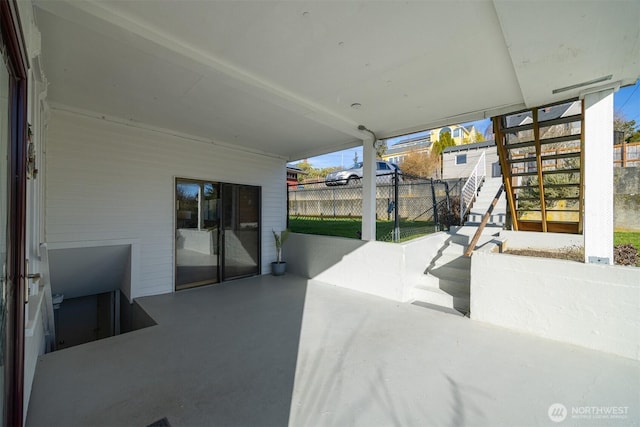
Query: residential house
{"x": 292, "y": 174}
{"x": 422, "y": 143}
{"x": 458, "y": 161}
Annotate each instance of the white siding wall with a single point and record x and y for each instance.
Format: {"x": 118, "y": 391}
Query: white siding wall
{"x": 450, "y": 170}
{"x": 106, "y": 180}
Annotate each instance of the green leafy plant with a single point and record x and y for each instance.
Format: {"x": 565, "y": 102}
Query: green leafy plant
{"x": 280, "y": 239}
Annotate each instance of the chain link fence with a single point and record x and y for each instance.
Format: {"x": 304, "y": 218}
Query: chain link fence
{"x": 406, "y": 207}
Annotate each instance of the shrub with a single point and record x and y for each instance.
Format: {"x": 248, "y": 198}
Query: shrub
{"x": 625, "y": 255}
{"x": 449, "y": 217}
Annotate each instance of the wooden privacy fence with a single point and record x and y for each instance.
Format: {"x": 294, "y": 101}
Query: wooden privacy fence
{"x": 626, "y": 154}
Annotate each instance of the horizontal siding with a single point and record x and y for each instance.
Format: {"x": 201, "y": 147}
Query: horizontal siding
{"x": 451, "y": 170}
{"x": 110, "y": 181}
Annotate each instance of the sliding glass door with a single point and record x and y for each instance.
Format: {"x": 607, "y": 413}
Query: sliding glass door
{"x": 197, "y": 233}
{"x": 241, "y": 230}
{"x": 217, "y": 235}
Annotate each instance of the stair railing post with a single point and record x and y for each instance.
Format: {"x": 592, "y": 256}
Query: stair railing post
{"x": 435, "y": 206}
{"x": 396, "y": 219}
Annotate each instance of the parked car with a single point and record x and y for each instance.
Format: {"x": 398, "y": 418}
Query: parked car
{"x": 353, "y": 174}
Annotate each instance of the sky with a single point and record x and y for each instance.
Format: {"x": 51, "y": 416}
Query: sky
{"x": 626, "y": 102}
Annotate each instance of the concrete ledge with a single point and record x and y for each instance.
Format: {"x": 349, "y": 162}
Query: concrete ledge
{"x": 388, "y": 270}
{"x": 536, "y": 240}
{"x": 594, "y": 306}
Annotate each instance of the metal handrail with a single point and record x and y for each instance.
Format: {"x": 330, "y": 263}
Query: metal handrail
{"x": 470, "y": 188}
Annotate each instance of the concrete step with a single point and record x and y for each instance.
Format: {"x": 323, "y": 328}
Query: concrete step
{"x": 459, "y": 288}
{"x": 483, "y": 204}
{"x": 480, "y": 211}
{"x": 436, "y": 296}
{"x": 485, "y": 199}
{"x": 475, "y": 218}
{"x": 448, "y": 259}
{"x": 448, "y": 272}
{"x": 463, "y": 235}
{"x": 454, "y": 287}
{"x": 454, "y": 248}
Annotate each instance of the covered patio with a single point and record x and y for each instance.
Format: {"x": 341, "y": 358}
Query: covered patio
{"x": 115, "y": 106}
{"x": 271, "y": 351}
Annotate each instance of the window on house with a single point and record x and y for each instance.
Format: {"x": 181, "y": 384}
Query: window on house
{"x": 461, "y": 159}
{"x": 456, "y": 133}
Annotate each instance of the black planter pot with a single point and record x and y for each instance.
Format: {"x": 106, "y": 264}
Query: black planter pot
{"x": 278, "y": 268}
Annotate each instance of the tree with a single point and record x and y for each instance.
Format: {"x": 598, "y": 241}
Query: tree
{"x": 420, "y": 163}
{"x": 477, "y": 136}
{"x": 381, "y": 148}
{"x": 629, "y": 128}
{"x": 443, "y": 142}
{"x": 313, "y": 174}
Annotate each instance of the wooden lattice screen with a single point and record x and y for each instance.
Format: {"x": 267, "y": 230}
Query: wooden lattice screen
{"x": 541, "y": 156}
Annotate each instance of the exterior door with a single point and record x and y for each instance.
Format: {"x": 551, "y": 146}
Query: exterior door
{"x": 217, "y": 235}
{"x": 197, "y": 233}
{"x": 241, "y": 230}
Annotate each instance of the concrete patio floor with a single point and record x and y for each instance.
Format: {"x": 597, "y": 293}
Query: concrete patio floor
{"x": 275, "y": 351}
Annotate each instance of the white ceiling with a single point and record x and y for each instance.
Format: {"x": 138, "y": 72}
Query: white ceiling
{"x": 280, "y": 77}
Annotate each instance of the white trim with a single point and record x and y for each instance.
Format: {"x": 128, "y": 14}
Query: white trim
{"x": 458, "y": 156}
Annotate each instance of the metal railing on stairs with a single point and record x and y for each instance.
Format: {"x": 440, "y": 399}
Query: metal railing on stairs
{"x": 470, "y": 187}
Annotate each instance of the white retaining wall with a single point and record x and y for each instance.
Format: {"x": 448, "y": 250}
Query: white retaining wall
{"x": 107, "y": 180}
{"x": 537, "y": 240}
{"x": 594, "y": 306}
{"x": 388, "y": 270}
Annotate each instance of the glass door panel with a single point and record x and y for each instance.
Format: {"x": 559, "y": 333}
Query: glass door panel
{"x": 197, "y": 233}
{"x": 241, "y": 224}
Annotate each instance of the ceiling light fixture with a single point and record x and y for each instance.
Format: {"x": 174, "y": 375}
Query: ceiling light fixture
{"x": 356, "y": 105}
{"x": 578, "y": 85}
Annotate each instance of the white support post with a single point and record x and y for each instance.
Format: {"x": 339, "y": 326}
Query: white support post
{"x": 368, "y": 190}
{"x": 598, "y": 177}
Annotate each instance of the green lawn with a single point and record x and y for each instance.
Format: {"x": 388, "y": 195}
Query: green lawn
{"x": 351, "y": 227}
{"x": 624, "y": 237}
{"x": 409, "y": 229}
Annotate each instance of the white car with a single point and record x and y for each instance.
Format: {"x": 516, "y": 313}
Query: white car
{"x": 354, "y": 173}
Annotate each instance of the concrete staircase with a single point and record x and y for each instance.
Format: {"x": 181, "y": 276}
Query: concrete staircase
{"x": 446, "y": 282}
{"x": 483, "y": 200}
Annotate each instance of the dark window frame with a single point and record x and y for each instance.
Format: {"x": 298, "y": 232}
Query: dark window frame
{"x": 12, "y": 41}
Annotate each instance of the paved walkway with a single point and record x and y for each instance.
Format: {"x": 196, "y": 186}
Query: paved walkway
{"x": 275, "y": 351}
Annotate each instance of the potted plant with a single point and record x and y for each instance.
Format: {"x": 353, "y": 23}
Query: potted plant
{"x": 279, "y": 267}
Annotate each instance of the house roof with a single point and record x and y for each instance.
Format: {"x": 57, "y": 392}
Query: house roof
{"x": 295, "y": 170}
{"x": 404, "y": 146}
{"x": 546, "y": 113}
{"x": 467, "y": 147}
{"x": 295, "y": 79}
